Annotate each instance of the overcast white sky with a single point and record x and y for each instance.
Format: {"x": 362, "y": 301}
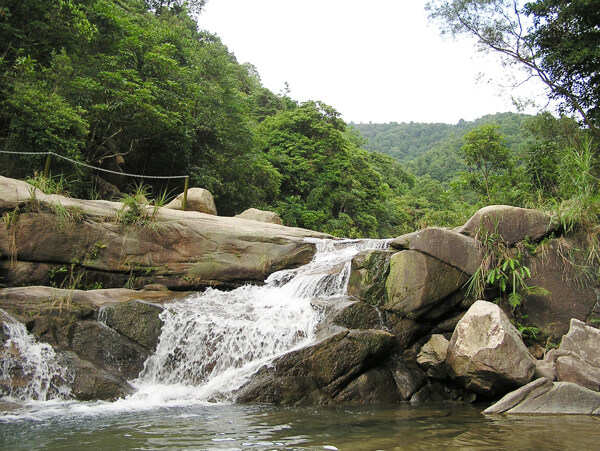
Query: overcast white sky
{"x": 372, "y": 60}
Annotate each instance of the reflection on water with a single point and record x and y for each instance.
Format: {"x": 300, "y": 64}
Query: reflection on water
{"x": 235, "y": 427}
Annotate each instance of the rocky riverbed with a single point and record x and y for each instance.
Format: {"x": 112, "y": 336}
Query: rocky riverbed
{"x": 407, "y": 328}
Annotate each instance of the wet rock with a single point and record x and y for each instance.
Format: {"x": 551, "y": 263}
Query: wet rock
{"x": 92, "y": 383}
{"x": 375, "y": 386}
{"x": 317, "y": 374}
{"x": 459, "y": 251}
{"x": 513, "y": 224}
{"x": 254, "y": 214}
{"x": 360, "y": 315}
{"x": 409, "y": 377}
{"x": 137, "y": 320}
{"x": 435, "y": 391}
{"x": 433, "y": 356}
{"x": 369, "y": 270}
{"x": 486, "y": 353}
{"x": 198, "y": 199}
{"x": 107, "y": 349}
{"x": 416, "y": 282}
{"x": 406, "y": 331}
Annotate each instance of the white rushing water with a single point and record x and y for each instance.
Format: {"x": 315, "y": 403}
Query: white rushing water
{"x": 212, "y": 342}
{"x": 32, "y": 366}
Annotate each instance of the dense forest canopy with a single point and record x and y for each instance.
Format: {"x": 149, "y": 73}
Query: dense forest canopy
{"x": 135, "y": 87}
{"x": 434, "y": 149}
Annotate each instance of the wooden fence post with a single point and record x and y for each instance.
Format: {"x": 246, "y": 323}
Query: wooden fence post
{"x": 185, "y": 190}
{"x": 47, "y": 166}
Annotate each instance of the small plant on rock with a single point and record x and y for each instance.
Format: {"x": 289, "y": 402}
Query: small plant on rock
{"x": 502, "y": 269}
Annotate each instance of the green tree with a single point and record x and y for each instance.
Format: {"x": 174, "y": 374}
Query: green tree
{"x": 567, "y": 41}
{"x": 484, "y": 150}
{"x": 327, "y": 182}
{"x": 500, "y": 26}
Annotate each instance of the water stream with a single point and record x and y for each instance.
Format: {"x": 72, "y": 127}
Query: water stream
{"x": 211, "y": 343}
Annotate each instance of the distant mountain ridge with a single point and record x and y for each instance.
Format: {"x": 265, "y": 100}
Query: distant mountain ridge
{"x": 434, "y": 148}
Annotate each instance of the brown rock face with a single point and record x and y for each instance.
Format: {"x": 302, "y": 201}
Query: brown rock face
{"x": 175, "y": 248}
{"x": 486, "y": 353}
{"x": 513, "y": 224}
{"x": 571, "y": 295}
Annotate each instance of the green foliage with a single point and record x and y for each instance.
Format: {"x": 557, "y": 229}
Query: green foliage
{"x": 434, "y": 149}
{"x": 560, "y": 48}
{"x": 565, "y": 35}
{"x": 579, "y": 188}
{"x": 326, "y": 182}
{"x": 484, "y": 150}
{"x": 49, "y": 185}
{"x": 502, "y": 269}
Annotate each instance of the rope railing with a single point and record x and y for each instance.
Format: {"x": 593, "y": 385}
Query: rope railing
{"x": 89, "y": 166}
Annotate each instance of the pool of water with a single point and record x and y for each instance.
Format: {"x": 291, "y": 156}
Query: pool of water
{"x": 237, "y": 427}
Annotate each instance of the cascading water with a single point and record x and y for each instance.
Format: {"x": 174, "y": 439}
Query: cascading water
{"x": 212, "y": 342}
{"x": 29, "y": 369}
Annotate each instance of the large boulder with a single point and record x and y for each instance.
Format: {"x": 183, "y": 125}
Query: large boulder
{"x": 557, "y": 267}
{"x": 513, "y": 224}
{"x": 176, "y": 248}
{"x": 416, "y": 282}
{"x": 254, "y": 214}
{"x": 578, "y": 358}
{"x": 486, "y": 353}
{"x": 460, "y": 251}
{"x": 319, "y": 373}
{"x": 198, "y": 199}
{"x": 543, "y": 397}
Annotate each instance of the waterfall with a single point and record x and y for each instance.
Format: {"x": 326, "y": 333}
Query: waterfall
{"x": 29, "y": 369}
{"x": 211, "y": 342}
{"x": 214, "y": 341}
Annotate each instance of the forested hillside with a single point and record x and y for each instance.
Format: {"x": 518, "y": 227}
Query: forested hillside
{"x": 133, "y": 86}
{"x": 434, "y": 149}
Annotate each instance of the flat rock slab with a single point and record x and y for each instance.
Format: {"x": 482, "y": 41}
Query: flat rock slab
{"x": 180, "y": 249}
{"x": 542, "y": 397}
